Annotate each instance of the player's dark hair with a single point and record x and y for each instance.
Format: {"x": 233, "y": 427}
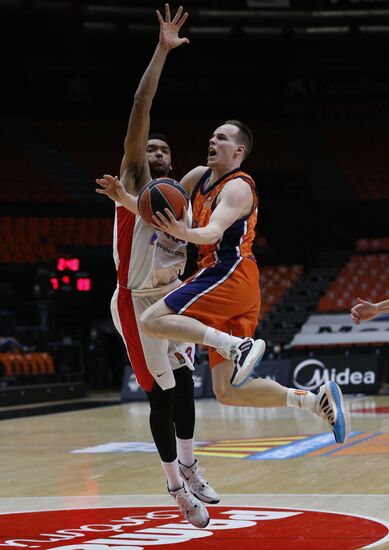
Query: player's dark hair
{"x": 156, "y": 135}
{"x": 245, "y": 137}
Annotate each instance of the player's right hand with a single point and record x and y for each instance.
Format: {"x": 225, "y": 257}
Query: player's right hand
{"x": 363, "y": 311}
{"x": 112, "y": 187}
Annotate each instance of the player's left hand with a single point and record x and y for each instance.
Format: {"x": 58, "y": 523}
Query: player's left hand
{"x": 167, "y": 222}
{"x": 169, "y": 29}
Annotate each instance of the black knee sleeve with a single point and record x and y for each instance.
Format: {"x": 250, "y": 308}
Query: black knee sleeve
{"x": 184, "y": 407}
{"x": 162, "y": 422}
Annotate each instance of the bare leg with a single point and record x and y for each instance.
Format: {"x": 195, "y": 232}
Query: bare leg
{"x": 261, "y": 392}
{"x": 160, "y": 321}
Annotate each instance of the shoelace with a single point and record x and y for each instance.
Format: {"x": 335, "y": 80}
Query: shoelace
{"x": 235, "y": 353}
{"x": 200, "y": 481}
{"x": 184, "y": 499}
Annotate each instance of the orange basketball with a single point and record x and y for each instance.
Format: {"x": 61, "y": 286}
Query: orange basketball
{"x": 159, "y": 194}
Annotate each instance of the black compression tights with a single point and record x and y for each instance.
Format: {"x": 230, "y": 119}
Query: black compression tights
{"x": 172, "y": 412}
{"x": 184, "y": 407}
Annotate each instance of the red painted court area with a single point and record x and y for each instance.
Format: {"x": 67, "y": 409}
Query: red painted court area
{"x": 239, "y": 527}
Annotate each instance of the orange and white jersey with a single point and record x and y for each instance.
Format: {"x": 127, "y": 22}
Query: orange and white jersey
{"x": 224, "y": 293}
{"x": 238, "y": 238}
{"x": 145, "y": 258}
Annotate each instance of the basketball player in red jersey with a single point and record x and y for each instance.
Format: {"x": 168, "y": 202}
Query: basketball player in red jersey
{"x": 218, "y": 306}
{"x": 147, "y": 272}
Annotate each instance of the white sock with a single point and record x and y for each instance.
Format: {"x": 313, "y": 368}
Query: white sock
{"x": 172, "y": 472}
{"x": 300, "y": 399}
{"x": 185, "y": 451}
{"x": 217, "y": 339}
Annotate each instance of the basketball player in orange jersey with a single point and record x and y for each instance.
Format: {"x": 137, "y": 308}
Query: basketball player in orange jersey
{"x": 364, "y": 310}
{"x": 218, "y": 306}
{"x": 148, "y": 263}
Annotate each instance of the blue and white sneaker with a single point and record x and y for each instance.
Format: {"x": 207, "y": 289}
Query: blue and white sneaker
{"x": 329, "y": 405}
{"x": 245, "y": 356}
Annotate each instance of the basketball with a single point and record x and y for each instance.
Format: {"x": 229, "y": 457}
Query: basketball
{"x": 159, "y": 194}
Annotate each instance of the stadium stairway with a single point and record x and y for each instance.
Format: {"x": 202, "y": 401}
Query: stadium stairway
{"x": 286, "y": 317}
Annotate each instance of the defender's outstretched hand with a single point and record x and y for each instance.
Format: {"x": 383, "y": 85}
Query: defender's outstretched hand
{"x": 168, "y": 33}
{"x": 112, "y": 187}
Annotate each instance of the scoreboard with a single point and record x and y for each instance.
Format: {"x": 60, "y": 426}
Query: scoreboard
{"x": 68, "y": 276}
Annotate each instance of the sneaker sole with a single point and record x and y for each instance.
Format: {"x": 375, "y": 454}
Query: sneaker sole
{"x": 204, "y": 526}
{"x": 252, "y": 359}
{"x": 198, "y": 526}
{"x": 341, "y": 428}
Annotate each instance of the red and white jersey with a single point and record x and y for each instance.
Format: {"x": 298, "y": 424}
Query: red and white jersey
{"x": 145, "y": 258}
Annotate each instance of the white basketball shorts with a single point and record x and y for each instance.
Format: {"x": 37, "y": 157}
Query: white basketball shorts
{"x": 152, "y": 359}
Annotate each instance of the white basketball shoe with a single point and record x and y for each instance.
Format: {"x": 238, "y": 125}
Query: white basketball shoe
{"x": 198, "y": 485}
{"x": 191, "y": 508}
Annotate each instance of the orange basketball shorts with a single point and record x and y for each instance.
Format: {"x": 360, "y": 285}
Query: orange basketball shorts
{"x": 224, "y": 296}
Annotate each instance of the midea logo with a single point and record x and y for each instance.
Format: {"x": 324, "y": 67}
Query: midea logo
{"x": 312, "y": 373}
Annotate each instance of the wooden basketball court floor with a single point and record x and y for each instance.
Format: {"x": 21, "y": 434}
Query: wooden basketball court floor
{"x": 278, "y": 458}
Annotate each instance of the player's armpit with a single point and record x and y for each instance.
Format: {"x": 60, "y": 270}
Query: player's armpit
{"x": 191, "y": 179}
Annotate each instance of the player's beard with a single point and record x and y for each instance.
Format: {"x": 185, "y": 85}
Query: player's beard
{"x": 159, "y": 171}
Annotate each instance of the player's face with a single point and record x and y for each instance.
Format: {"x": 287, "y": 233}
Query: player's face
{"x": 223, "y": 147}
{"x": 159, "y": 158}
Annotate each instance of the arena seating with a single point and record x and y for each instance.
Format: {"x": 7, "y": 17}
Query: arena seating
{"x": 288, "y": 314}
{"x": 22, "y": 368}
{"x": 373, "y": 244}
{"x": 86, "y": 148}
{"x": 93, "y": 145}
{"x": 96, "y": 146}
{"x": 35, "y": 239}
{"x": 357, "y": 134}
{"x": 23, "y": 181}
{"x": 274, "y": 283}
{"x": 366, "y": 276}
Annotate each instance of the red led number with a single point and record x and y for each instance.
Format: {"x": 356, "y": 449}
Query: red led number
{"x": 83, "y": 284}
{"x": 72, "y": 264}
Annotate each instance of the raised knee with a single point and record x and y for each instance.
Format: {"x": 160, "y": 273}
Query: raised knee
{"x": 147, "y": 323}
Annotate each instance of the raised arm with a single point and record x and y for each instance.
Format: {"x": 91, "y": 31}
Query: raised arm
{"x": 134, "y": 171}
